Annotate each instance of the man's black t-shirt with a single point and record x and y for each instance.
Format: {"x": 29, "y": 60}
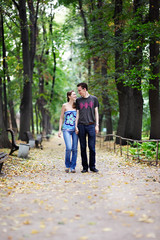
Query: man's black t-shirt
{"x": 86, "y": 107}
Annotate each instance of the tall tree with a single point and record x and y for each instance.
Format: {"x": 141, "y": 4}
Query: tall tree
{"x": 130, "y": 97}
{"x": 26, "y": 101}
{"x": 6, "y": 75}
{"x": 53, "y": 52}
{"x": 135, "y": 100}
{"x": 28, "y": 49}
{"x": 154, "y": 101}
{"x": 119, "y": 70}
{"x": 4, "y": 70}
{"x": 4, "y": 141}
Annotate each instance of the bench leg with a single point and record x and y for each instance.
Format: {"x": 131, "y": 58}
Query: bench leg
{"x": 1, "y": 164}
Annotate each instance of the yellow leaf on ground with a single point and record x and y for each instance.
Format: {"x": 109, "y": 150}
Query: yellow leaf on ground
{"x": 83, "y": 238}
{"x": 145, "y": 219}
{"x": 117, "y": 210}
{"x": 24, "y": 215}
{"x": 107, "y": 229}
{"x": 34, "y": 231}
{"x": 27, "y": 222}
{"x": 42, "y": 225}
{"x": 151, "y": 235}
{"x": 130, "y": 213}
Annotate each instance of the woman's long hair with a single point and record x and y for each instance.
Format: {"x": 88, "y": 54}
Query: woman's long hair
{"x": 68, "y": 95}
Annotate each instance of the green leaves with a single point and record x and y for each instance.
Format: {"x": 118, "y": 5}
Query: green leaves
{"x": 144, "y": 150}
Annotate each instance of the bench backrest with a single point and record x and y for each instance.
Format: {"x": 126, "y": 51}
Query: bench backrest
{"x": 29, "y": 136}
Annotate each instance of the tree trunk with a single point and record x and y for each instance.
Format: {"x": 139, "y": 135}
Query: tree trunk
{"x": 54, "y": 56}
{"x": 26, "y": 101}
{"x": 10, "y": 101}
{"x": 154, "y": 102}
{"x": 135, "y": 110}
{"x": 4, "y": 72}
{"x": 4, "y": 141}
{"x": 119, "y": 69}
{"x": 134, "y": 125}
{"x": 123, "y": 110}
{"x": 33, "y": 14}
{"x": 105, "y": 100}
{"x": 13, "y": 117}
{"x": 100, "y": 121}
{"x": 42, "y": 113}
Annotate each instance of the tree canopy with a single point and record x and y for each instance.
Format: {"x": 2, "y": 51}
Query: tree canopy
{"x": 47, "y": 47}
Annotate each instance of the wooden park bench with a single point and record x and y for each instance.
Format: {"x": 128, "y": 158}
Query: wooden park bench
{"x": 38, "y": 140}
{"x": 47, "y": 137}
{"x": 14, "y": 147}
{"x": 3, "y": 158}
{"x": 22, "y": 148}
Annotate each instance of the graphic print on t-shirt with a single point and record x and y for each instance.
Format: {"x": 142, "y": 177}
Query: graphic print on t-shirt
{"x": 86, "y": 105}
{"x": 70, "y": 118}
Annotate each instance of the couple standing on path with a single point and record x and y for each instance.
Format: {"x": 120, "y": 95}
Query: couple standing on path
{"x": 81, "y": 118}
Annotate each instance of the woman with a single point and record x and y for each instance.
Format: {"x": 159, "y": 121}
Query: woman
{"x": 68, "y": 113}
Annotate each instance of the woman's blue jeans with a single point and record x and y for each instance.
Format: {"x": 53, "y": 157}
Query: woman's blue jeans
{"x": 71, "y": 142}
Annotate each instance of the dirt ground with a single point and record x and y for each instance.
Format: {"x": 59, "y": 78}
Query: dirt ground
{"x": 38, "y": 200}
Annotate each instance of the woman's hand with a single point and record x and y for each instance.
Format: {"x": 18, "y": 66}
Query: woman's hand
{"x": 59, "y": 133}
{"x": 76, "y": 130}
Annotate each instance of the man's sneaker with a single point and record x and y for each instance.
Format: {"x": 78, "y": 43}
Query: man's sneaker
{"x": 94, "y": 170}
{"x": 67, "y": 170}
{"x": 73, "y": 171}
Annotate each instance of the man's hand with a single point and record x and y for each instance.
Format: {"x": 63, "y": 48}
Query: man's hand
{"x": 97, "y": 129}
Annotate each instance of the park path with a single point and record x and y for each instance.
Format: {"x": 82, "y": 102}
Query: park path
{"x": 38, "y": 200}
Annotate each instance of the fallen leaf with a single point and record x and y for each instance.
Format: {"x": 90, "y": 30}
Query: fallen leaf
{"x": 107, "y": 229}
{"x": 130, "y": 213}
{"x": 34, "y": 231}
{"x": 26, "y": 222}
{"x": 151, "y": 235}
{"x": 145, "y": 219}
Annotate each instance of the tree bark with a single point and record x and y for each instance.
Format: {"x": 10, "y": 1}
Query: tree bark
{"x": 135, "y": 99}
{"x": 119, "y": 70}
{"x": 105, "y": 100}
{"x": 33, "y": 14}
{"x": 54, "y": 56}
{"x": 26, "y": 101}
{"x": 10, "y": 101}
{"x": 4, "y": 141}
{"x": 4, "y": 72}
{"x": 154, "y": 102}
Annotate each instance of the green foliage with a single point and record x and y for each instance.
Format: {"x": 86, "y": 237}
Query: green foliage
{"x": 144, "y": 150}
{"x": 67, "y": 2}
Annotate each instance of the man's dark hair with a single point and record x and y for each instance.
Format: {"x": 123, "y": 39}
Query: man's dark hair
{"x": 83, "y": 85}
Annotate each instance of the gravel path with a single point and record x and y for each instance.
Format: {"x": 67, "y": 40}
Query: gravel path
{"x": 38, "y": 200}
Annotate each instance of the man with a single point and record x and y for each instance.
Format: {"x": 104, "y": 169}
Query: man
{"x": 87, "y": 123}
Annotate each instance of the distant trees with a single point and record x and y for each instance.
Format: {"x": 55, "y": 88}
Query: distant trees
{"x": 30, "y": 82}
{"x": 93, "y": 32}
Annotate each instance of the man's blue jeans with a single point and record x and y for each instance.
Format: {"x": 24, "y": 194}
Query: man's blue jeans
{"x": 89, "y": 130}
{"x": 71, "y": 142}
